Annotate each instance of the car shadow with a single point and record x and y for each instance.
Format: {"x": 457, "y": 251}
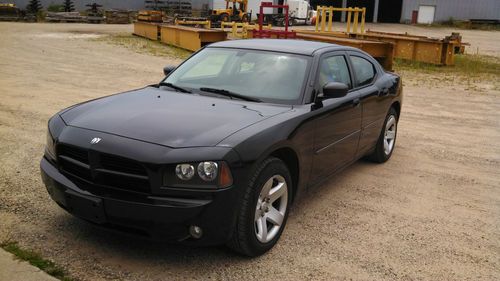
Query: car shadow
{"x": 134, "y": 247}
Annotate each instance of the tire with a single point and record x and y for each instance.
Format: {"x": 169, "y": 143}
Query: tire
{"x": 224, "y": 17}
{"x": 244, "y": 18}
{"x": 258, "y": 210}
{"x": 383, "y": 150}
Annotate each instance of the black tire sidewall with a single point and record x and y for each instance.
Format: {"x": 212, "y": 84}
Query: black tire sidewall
{"x": 274, "y": 167}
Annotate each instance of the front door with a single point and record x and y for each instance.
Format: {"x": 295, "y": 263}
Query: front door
{"x": 338, "y": 123}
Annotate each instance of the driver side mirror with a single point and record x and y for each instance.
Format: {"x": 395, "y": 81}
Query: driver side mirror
{"x": 168, "y": 69}
{"x": 335, "y": 90}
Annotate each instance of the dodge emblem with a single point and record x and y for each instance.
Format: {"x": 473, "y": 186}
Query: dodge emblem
{"x": 95, "y": 140}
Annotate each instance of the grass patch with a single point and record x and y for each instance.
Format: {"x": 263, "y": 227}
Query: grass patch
{"x": 467, "y": 65}
{"x": 453, "y": 23}
{"x": 144, "y": 46}
{"x": 36, "y": 260}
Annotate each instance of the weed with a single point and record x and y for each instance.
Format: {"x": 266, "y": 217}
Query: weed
{"x": 467, "y": 65}
{"x": 144, "y": 46}
{"x": 36, "y": 260}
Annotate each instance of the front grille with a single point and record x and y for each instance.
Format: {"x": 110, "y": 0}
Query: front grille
{"x": 74, "y": 152}
{"x": 103, "y": 169}
{"x": 119, "y": 164}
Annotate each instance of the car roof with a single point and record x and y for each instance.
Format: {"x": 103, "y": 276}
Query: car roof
{"x": 301, "y": 47}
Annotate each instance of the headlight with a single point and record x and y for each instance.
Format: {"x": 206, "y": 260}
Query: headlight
{"x": 184, "y": 171}
{"x": 205, "y": 174}
{"x": 208, "y": 170}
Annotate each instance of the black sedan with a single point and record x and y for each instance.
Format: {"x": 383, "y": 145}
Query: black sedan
{"x": 218, "y": 151}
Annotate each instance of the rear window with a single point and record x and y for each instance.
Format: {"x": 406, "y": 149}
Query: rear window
{"x": 364, "y": 70}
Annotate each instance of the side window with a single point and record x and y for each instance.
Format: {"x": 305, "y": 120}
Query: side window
{"x": 334, "y": 69}
{"x": 364, "y": 70}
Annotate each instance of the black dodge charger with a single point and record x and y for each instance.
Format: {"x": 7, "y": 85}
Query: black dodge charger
{"x": 218, "y": 151}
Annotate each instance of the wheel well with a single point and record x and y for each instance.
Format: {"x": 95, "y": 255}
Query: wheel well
{"x": 397, "y": 106}
{"x": 289, "y": 157}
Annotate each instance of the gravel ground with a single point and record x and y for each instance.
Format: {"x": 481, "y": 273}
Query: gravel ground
{"x": 430, "y": 213}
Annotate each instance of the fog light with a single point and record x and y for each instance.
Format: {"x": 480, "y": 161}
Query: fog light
{"x": 195, "y": 231}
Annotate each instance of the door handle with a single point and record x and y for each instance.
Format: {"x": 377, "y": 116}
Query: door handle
{"x": 355, "y": 102}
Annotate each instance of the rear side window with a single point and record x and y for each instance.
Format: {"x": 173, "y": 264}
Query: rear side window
{"x": 364, "y": 70}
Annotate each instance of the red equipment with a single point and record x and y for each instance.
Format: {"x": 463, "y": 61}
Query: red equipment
{"x": 281, "y": 34}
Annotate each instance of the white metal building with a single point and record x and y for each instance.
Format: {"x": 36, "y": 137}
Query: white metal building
{"x": 428, "y": 11}
{"x": 422, "y": 11}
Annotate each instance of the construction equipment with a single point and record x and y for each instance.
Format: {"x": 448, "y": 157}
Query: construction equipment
{"x": 273, "y": 33}
{"x": 237, "y": 12}
{"x": 9, "y": 12}
{"x": 94, "y": 14}
{"x": 324, "y": 20}
{"x": 298, "y": 10}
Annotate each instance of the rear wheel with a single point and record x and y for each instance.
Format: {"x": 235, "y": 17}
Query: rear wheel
{"x": 264, "y": 211}
{"x": 244, "y": 18}
{"x": 387, "y": 139}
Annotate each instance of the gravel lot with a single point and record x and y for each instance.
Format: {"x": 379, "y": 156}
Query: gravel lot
{"x": 431, "y": 213}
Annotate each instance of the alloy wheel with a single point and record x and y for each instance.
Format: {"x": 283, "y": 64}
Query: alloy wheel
{"x": 271, "y": 208}
{"x": 390, "y": 134}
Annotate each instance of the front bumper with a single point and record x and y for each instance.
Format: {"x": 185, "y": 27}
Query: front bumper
{"x": 157, "y": 217}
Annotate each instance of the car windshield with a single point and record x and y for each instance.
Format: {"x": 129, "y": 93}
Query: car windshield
{"x": 266, "y": 76}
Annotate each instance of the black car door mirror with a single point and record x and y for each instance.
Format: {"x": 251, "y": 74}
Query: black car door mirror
{"x": 335, "y": 90}
{"x": 168, "y": 69}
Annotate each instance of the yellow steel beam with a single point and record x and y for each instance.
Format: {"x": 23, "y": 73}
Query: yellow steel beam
{"x": 330, "y": 19}
{"x": 204, "y": 23}
{"x": 323, "y": 19}
{"x": 147, "y": 30}
{"x": 355, "y": 23}
{"x": 382, "y": 51}
{"x": 363, "y": 13}
{"x": 348, "y": 21}
{"x": 190, "y": 38}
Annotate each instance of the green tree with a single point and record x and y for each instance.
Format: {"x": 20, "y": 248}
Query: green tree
{"x": 68, "y": 6}
{"x": 34, "y": 6}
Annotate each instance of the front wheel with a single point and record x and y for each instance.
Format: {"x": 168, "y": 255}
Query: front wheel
{"x": 264, "y": 210}
{"x": 387, "y": 139}
{"x": 224, "y": 18}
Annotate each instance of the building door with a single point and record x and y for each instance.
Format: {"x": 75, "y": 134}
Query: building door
{"x": 426, "y": 14}
{"x": 389, "y": 11}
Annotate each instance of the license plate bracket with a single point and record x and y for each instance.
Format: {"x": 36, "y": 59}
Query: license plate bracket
{"x": 86, "y": 207}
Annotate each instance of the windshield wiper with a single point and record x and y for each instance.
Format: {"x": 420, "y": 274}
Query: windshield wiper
{"x": 170, "y": 85}
{"x": 230, "y": 94}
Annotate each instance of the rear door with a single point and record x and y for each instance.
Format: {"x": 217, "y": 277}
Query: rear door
{"x": 372, "y": 96}
{"x": 338, "y": 123}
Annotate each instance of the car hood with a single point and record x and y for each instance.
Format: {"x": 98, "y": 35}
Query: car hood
{"x": 169, "y": 118}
